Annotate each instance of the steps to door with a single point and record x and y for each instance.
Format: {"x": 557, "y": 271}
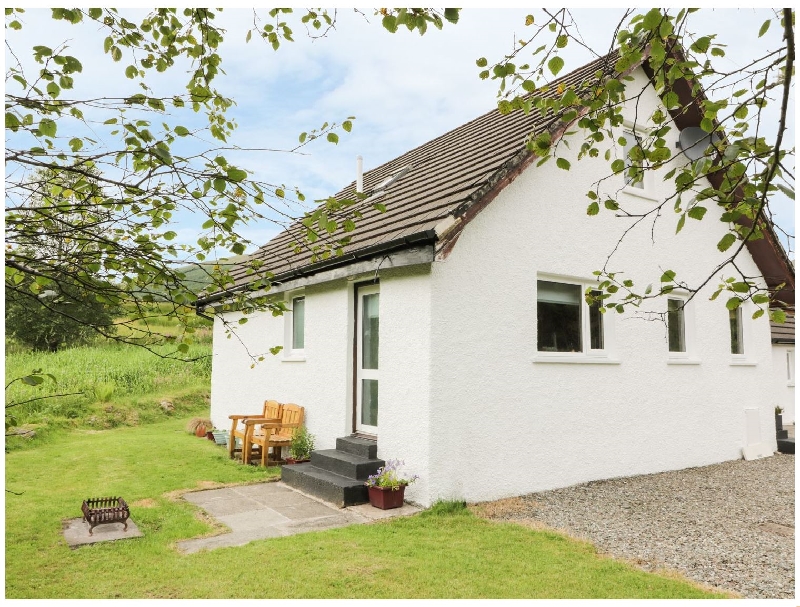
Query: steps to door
{"x": 337, "y": 475}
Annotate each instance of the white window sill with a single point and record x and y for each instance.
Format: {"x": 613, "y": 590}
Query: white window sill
{"x": 640, "y": 193}
{"x": 790, "y": 384}
{"x": 742, "y": 362}
{"x": 294, "y": 358}
{"x": 577, "y": 360}
{"x": 683, "y": 361}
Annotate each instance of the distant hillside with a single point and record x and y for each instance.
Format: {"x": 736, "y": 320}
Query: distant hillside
{"x": 198, "y": 275}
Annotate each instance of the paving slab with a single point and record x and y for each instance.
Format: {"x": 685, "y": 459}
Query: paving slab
{"x": 76, "y": 532}
{"x": 272, "y": 509}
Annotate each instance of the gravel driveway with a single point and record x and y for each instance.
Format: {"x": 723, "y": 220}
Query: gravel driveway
{"x": 729, "y": 525}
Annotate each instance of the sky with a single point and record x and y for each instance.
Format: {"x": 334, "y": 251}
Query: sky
{"x": 403, "y": 89}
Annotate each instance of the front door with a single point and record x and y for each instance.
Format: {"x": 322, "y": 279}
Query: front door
{"x": 366, "y": 359}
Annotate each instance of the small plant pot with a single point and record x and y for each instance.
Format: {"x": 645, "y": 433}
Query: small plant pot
{"x": 385, "y": 499}
{"x": 210, "y": 435}
{"x": 291, "y": 460}
{"x": 200, "y": 432}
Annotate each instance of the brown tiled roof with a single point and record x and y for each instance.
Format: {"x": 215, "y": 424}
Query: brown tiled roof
{"x": 445, "y": 172}
{"x": 783, "y": 333}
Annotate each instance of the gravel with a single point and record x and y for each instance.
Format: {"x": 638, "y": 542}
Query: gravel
{"x": 729, "y": 526}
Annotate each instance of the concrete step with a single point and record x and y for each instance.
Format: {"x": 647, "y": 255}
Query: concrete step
{"x": 345, "y": 464}
{"x": 333, "y": 488}
{"x": 363, "y": 447}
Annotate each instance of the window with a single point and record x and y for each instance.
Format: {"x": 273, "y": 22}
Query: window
{"x": 565, "y": 322}
{"x": 676, "y": 325}
{"x": 298, "y": 323}
{"x": 737, "y": 340}
{"x": 294, "y": 327}
{"x": 790, "y": 367}
{"x": 630, "y": 144}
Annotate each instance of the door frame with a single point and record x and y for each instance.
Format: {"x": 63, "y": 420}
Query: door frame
{"x": 356, "y": 337}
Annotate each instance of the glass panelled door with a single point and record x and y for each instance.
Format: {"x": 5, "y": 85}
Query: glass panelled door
{"x": 367, "y": 331}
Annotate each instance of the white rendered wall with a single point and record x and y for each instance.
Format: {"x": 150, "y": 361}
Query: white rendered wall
{"x": 784, "y": 389}
{"x": 504, "y": 425}
{"x": 322, "y": 383}
{"x": 319, "y": 383}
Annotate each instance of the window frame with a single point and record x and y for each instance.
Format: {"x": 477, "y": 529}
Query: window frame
{"x": 790, "y": 368}
{"x": 645, "y": 190}
{"x": 290, "y": 353}
{"x": 688, "y": 355}
{"x": 588, "y": 355}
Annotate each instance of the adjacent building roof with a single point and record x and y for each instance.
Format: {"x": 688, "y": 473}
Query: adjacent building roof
{"x": 439, "y": 187}
{"x": 783, "y": 333}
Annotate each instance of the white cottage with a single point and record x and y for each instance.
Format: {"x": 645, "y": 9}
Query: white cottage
{"x": 453, "y": 333}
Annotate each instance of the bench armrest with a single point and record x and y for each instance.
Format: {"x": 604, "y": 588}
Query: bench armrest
{"x": 244, "y": 416}
{"x": 262, "y": 420}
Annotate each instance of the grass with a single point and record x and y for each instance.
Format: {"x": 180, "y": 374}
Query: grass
{"x": 108, "y": 385}
{"x": 446, "y": 552}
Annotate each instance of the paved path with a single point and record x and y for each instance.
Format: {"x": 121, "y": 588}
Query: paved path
{"x": 266, "y": 510}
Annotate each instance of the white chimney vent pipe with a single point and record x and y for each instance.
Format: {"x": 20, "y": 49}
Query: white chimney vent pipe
{"x": 359, "y": 174}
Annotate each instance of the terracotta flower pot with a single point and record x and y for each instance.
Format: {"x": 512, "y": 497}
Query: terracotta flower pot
{"x": 291, "y": 460}
{"x": 200, "y": 432}
{"x": 386, "y": 498}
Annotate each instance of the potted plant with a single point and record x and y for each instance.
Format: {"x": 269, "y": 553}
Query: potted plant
{"x": 387, "y": 486}
{"x": 301, "y": 446}
{"x": 199, "y": 426}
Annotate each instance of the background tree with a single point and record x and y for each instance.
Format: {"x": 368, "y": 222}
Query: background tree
{"x": 134, "y": 162}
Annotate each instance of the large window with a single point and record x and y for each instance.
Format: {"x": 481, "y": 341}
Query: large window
{"x": 565, "y": 322}
{"x": 676, "y": 325}
{"x": 737, "y": 338}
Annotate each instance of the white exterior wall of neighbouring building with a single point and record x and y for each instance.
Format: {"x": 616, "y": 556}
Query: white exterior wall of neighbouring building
{"x": 506, "y": 423}
{"x": 784, "y": 367}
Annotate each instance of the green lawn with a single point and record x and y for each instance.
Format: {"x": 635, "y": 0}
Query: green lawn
{"x": 436, "y": 554}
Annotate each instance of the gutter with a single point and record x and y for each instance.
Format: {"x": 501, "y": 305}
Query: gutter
{"x": 405, "y": 242}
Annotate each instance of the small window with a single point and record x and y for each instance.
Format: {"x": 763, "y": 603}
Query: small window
{"x": 560, "y": 311}
{"x": 630, "y": 165}
{"x": 790, "y": 367}
{"x": 298, "y": 323}
{"x": 676, "y": 325}
{"x": 737, "y": 342}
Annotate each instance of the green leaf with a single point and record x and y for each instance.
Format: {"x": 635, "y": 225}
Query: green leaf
{"x": 47, "y": 127}
{"x": 280, "y": 193}
{"x": 725, "y": 243}
{"x": 764, "y": 27}
{"x": 562, "y": 41}
{"x": 740, "y": 287}
{"x": 652, "y": 19}
{"x": 733, "y": 303}
{"x": 451, "y": 14}
{"x": 555, "y": 64}
{"x": 235, "y": 174}
{"x": 302, "y": 137}
{"x": 12, "y": 122}
{"x": 482, "y": 62}
{"x": 681, "y": 222}
{"x": 777, "y": 315}
{"x": 593, "y": 209}
{"x": 562, "y": 163}
{"x": 697, "y": 212}
{"x": 333, "y": 137}
{"x": 238, "y": 248}
{"x": 701, "y": 44}
{"x": 76, "y": 144}
{"x": 181, "y": 131}
{"x": 390, "y": 23}
{"x": 668, "y": 276}
{"x": 347, "y": 125}
{"x": 758, "y": 313}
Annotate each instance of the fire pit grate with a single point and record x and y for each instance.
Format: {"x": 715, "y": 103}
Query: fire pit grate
{"x": 101, "y": 510}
